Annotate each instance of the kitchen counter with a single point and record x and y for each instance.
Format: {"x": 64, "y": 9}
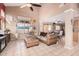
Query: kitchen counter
{"x": 4, "y": 40}
{"x": 1, "y": 38}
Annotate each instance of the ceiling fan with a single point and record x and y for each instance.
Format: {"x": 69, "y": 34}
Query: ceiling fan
{"x": 30, "y": 5}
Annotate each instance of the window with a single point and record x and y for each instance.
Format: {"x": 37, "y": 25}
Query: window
{"x": 47, "y": 27}
{"x": 57, "y": 27}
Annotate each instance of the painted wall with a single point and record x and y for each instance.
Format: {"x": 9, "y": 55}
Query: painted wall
{"x": 52, "y": 12}
{"x": 69, "y": 26}
{"x": 13, "y": 12}
{"x": 47, "y": 12}
{"x": 17, "y": 11}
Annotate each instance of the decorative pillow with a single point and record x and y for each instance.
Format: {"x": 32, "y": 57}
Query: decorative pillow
{"x": 43, "y": 34}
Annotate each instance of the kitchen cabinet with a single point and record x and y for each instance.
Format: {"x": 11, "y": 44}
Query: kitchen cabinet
{"x": 4, "y": 40}
{"x": 7, "y": 38}
{"x": 2, "y": 43}
{"x": 2, "y": 16}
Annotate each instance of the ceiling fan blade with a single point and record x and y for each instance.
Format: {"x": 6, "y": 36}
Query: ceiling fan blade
{"x": 23, "y": 6}
{"x": 37, "y": 5}
{"x": 31, "y": 8}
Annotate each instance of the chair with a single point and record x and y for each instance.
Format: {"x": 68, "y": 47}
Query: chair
{"x": 60, "y": 34}
{"x": 59, "y": 37}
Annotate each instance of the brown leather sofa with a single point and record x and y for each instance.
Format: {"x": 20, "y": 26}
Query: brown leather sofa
{"x": 49, "y": 39}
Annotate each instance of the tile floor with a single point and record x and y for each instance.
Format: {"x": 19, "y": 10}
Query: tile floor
{"x": 18, "y": 48}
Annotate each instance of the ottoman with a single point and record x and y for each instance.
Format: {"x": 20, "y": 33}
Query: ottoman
{"x": 31, "y": 41}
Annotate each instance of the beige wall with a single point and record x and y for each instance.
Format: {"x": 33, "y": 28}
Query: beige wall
{"x": 69, "y": 26}
{"x": 51, "y": 10}
{"x": 12, "y": 12}
{"x": 17, "y": 11}
{"x": 47, "y": 11}
{"x": 41, "y": 14}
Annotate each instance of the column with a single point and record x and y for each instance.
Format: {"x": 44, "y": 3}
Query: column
{"x": 68, "y": 30}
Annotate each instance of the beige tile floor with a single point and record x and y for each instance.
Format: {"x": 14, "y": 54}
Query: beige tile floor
{"x": 18, "y": 48}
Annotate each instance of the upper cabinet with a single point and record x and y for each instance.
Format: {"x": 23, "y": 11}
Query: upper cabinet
{"x": 2, "y": 10}
{"x": 2, "y": 16}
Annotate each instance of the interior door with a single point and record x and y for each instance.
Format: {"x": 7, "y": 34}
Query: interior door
{"x": 76, "y": 31}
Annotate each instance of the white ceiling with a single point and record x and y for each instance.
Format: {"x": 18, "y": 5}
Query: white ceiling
{"x": 13, "y": 4}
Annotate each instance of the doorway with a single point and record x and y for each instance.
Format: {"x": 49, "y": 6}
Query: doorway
{"x": 76, "y": 31}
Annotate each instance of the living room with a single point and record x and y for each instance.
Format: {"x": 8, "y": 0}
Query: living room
{"x": 39, "y": 27}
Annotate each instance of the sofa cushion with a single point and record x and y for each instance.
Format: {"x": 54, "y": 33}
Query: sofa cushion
{"x": 43, "y": 34}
